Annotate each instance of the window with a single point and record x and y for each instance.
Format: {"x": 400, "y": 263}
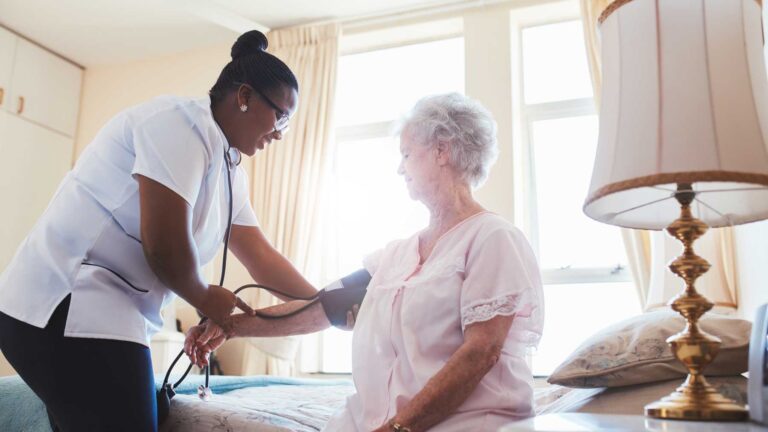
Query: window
{"x": 369, "y": 203}
{"x": 583, "y": 262}
{"x": 553, "y": 141}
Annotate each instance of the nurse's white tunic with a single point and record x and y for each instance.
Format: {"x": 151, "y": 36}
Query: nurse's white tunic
{"x": 92, "y": 222}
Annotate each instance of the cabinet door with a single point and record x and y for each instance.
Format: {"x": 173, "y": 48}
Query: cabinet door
{"x": 7, "y": 49}
{"x": 33, "y": 160}
{"x": 45, "y": 88}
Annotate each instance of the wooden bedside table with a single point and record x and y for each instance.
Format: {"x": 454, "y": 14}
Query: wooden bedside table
{"x": 582, "y": 422}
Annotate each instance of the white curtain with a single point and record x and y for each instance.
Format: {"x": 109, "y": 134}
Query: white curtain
{"x": 287, "y": 179}
{"x": 717, "y": 284}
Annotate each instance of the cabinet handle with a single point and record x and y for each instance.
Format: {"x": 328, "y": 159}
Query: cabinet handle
{"x": 2, "y": 95}
{"x": 21, "y": 105}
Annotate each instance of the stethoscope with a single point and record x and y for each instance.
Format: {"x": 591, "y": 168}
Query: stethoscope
{"x": 204, "y": 392}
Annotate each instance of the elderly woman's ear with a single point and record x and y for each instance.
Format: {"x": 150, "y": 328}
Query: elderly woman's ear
{"x": 443, "y": 149}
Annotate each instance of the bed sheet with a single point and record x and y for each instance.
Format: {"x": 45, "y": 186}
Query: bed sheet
{"x": 307, "y": 403}
{"x": 264, "y": 409}
{"x": 272, "y": 404}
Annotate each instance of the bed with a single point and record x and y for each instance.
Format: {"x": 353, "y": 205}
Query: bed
{"x": 275, "y": 404}
{"x": 308, "y": 407}
{"x": 254, "y": 403}
{"x": 617, "y": 370}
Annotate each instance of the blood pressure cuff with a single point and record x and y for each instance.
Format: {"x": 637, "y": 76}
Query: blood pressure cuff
{"x": 339, "y": 297}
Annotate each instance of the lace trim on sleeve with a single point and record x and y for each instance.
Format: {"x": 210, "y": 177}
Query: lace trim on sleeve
{"x": 486, "y": 309}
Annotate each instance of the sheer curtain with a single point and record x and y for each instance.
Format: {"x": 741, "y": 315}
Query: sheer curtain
{"x": 286, "y": 180}
{"x": 649, "y": 252}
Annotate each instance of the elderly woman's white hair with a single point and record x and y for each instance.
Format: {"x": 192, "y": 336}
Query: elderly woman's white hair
{"x": 464, "y": 124}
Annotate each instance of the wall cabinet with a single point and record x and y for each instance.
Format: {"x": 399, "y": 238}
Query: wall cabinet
{"x": 7, "y": 51}
{"x": 33, "y": 160}
{"x": 44, "y": 88}
{"x": 38, "y": 117}
{"x": 39, "y": 104}
{"x": 37, "y": 85}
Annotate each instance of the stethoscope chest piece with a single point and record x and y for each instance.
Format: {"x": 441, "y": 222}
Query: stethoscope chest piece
{"x": 204, "y": 393}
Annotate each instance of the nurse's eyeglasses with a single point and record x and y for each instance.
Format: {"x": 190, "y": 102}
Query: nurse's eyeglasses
{"x": 281, "y": 117}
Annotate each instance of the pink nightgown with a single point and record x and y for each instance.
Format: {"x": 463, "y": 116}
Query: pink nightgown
{"x": 413, "y": 319}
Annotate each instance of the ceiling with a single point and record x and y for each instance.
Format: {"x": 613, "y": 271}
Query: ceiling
{"x": 91, "y": 32}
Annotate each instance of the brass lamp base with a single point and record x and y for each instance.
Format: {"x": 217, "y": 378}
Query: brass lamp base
{"x": 695, "y": 399}
{"x": 696, "y": 402}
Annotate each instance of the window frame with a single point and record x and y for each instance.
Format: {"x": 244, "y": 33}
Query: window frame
{"x": 522, "y": 120}
{"x": 443, "y": 30}
{"x": 524, "y": 116}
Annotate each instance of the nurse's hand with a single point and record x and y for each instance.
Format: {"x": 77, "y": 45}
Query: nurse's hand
{"x": 203, "y": 339}
{"x": 219, "y": 304}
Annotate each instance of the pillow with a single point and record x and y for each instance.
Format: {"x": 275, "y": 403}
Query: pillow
{"x": 635, "y": 351}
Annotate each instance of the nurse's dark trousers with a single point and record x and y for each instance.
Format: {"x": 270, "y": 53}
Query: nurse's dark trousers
{"x": 86, "y": 384}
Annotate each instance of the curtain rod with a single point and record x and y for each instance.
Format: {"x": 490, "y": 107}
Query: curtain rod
{"x": 361, "y": 21}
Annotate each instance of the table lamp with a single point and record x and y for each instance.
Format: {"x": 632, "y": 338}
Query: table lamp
{"x": 683, "y": 127}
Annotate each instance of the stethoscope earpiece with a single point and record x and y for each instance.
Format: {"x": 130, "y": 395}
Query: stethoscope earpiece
{"x": 233, "y": 162}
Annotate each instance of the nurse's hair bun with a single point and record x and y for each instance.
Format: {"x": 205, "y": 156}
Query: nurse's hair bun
{"x": 252, "y": 65}
{"x": 250, "y": 43}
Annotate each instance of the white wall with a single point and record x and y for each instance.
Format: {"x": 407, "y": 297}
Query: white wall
{"x": 111, "y": 88}
{"x": 488, "y": 78}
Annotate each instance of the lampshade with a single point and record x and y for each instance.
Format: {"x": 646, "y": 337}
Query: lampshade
{"x": 684, "y": 100}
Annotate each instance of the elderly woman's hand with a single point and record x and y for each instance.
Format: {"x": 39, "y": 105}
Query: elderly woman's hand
{"x": 203, "y": 339}
{"x": 389, "y": 427}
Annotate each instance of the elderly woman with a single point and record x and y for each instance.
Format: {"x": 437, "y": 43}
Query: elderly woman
{"x": 440, "y": 338}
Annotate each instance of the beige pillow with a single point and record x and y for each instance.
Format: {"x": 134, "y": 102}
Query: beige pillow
{"x": 635, "y": 351}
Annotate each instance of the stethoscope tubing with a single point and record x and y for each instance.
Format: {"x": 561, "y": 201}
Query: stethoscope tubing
{"x": 312, "y": 299}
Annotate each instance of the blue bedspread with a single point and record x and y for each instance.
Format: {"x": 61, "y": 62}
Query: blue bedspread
{"x": 22, "y": 410}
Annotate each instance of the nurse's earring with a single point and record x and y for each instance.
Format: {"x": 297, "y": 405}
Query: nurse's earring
{"x": 243, "y": 107}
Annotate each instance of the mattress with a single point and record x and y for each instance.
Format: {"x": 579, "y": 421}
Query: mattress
{"x": 274, "y": 404}
{"x": 273, "y": 408}
{"x": 252, "y": 403}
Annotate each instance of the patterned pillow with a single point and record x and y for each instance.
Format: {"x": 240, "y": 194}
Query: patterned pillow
{"x": 635, "y": 351}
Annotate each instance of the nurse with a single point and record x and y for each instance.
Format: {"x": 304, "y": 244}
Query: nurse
{"x": 148, "y": 203}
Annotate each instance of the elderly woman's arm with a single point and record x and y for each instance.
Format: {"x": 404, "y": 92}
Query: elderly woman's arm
{"x": 453, "y": 384}
{"x": 205, "y": 338}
